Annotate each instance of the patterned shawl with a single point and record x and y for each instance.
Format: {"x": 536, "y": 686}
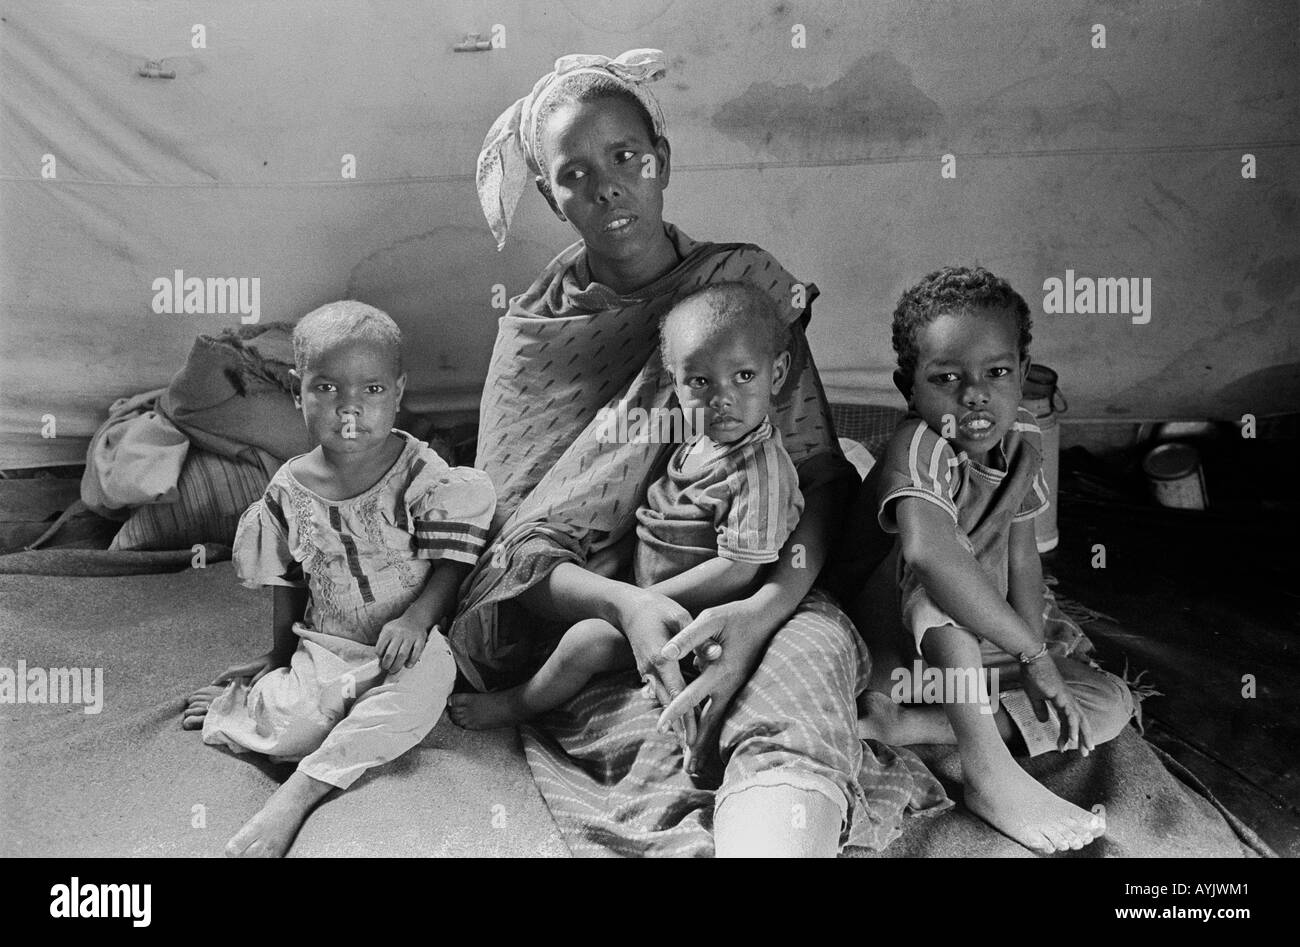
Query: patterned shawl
{"x": 567, "y": 348}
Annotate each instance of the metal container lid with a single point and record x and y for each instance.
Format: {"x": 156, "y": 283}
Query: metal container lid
{"x": 1185, "y": 430}
{"x": 1171, "y": 461}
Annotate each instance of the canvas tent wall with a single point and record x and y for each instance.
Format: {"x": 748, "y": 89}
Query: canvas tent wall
{"x": 1120, "y": 161}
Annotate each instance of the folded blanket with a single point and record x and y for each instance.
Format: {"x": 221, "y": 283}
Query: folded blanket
{"x": 234, "y": 393}
{"x": 84, "y": 562}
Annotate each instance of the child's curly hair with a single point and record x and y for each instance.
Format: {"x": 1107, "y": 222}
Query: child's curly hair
{"x": 953, "y": 289}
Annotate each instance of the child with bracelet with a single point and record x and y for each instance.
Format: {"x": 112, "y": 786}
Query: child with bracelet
{"x": 960, "y": 485}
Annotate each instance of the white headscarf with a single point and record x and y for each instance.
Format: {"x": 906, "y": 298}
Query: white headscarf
{"x": 512, "y": 150}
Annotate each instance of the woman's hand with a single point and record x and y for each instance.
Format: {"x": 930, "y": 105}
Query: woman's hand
{"x": 255, "y": 669}
{"x": 729, "y": 641}
{"x": 1043, "y": 685}
{"x": 400, "y": 644}
{"x": 648, "y": 621}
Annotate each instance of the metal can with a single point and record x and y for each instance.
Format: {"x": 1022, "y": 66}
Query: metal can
{"x": 1039, "y": 397}
{"x": 1174, "y": 472}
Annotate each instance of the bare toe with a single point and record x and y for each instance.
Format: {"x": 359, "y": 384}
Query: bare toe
{"x": 1016, "y": 804}
{"x": 197, "y": 706}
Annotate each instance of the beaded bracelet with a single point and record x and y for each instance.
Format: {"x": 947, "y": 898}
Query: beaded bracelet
{"x": 1031, "y": 658}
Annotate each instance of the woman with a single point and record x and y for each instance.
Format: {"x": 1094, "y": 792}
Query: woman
{"x": 774, "y": 765}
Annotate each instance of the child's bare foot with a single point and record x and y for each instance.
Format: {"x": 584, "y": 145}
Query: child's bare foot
{"x": 880, "y": 718}
{"x": 1015, "y": 803}
{"x": 487, "y": 711}
{"x": 877, "y": 717}
{"x": 196, "y": 707}
{"x": 271, "y": 831}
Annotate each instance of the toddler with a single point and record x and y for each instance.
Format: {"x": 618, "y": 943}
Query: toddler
{"x": 365, "y": 541}
{"x": 724, "y": 507}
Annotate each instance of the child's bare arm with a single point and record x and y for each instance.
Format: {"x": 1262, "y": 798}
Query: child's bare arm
{"x": 402, "y": 640}
{"x": 290, "y": 606}
{"x": 710, "y": 583}
{"x": 1025, "y": 576}
{"x": 438, "y": 599}
{"x": 955, "y": 581}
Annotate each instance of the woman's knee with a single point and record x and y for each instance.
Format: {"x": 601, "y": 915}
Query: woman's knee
{"x": 776, "y": 820}
{"x": 798, "y": 713}
{"x": 824, "y": 639}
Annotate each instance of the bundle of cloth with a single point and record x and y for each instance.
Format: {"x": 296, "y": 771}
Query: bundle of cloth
{"x": 233, "y": 398}
{"x": 177, "y": 465}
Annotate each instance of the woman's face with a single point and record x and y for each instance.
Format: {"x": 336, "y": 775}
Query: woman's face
{"x": 607, "y": 177}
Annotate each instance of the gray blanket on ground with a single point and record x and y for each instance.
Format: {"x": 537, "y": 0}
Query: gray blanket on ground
{"x": 129, "y": 781}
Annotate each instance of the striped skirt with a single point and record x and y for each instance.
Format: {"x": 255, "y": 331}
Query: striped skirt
{"x": 616, "y": 786}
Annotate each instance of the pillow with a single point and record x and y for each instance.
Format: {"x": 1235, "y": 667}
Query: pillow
{"x": 213, "y": 492}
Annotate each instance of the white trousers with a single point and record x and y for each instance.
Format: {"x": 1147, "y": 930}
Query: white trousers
{"x": 334, "y": 708}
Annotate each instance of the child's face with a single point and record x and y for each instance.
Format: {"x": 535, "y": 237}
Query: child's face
{"x": 968, "y": 377}
{"x": 349, "y": 398}
{"x": 728, "y": 378}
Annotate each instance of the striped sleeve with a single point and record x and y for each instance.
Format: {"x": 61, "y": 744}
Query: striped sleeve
{"x": 917, "y": 463}
{"x": 1028, "y": 449}
{"x": 450, "y": 511}
{"x": 1036, "y": 498}
{"x": 765, "y": 503}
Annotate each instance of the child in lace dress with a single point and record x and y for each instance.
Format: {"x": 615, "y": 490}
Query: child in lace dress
{"x": 365, "y": 541}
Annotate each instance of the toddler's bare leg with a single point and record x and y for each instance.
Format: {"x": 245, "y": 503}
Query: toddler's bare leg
{"x": 895, "y": 714}
{"x": 588, "y": 648}
{"x": 997, "y": 789}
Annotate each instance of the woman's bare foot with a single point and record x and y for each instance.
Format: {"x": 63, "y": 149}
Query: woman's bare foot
{"x": 1016, "y": 804}
{"x": 196, "y": 706}
{"x": 270, "y": 833}
{"x": 487, "y": 711}
{"x": 880, "y": 718}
